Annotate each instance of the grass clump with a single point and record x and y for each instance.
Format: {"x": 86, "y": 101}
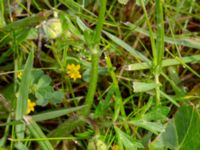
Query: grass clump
{"x": 99, "y": 75}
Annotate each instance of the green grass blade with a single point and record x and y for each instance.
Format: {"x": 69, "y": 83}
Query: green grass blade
{"x": 160, "y": 32}
{"x": 159, "y": 46}
{"x": 169, "y": 98}
{"x": 22, "y": 100}
{"x": 6, "y": 133}
{"x": 55, "y": 114}
{"x": 127, "y": 47}
{"x": 2, "y": 20}
{"x": 168, "y": 62}
{"x": 119, "y": 107}
{"x": 118, "y": 104}
{"x": 26, "y": 22}
{"x": 37, "y": 133}
{"x": 153, "y": 46}
{"x": 191, "y": 42}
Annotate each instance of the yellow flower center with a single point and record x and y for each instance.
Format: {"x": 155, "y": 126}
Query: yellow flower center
{"x": 31, "y": 106}
{"x": 73, "y": 71}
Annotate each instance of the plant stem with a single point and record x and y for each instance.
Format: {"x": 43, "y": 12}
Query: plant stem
{"x": 92, "y": 83}
{"x": 158, "y": 48}
{"x": 95, "y": 59}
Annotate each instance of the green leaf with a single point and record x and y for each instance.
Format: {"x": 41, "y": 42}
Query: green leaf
{"x": 43, "y": 91}
{"x": 55, "y": 113}
{"x": 44, "y": 81}
{"x": 56, "y": 97}
{"x": 154, "y": 127}
{"x": 157, "y": 113}
{"x": 43, "y": 95}
{"x": 182, "y": 132}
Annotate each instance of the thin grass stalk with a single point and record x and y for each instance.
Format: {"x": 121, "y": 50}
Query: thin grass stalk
{"x": 153, "y": 46}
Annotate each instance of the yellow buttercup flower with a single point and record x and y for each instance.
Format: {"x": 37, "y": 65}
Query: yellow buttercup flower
{"x": 31, "y": 106}
{"x": 73, "y": 71}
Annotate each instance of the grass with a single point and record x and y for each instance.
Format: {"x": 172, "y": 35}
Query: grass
{"x": 139, "y": 67}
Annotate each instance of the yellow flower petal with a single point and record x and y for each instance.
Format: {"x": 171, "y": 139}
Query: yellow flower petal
{"x": 73, "y": 71}
{"x": 31, "y": 106}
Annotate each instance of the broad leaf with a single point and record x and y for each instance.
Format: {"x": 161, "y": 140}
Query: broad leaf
{"x": 182, "y": 132}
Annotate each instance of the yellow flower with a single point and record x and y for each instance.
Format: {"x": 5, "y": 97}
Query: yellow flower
{"x": 73, "y": 71}
{"x": 19, "y": 74}
{"x": 31, "y": 106}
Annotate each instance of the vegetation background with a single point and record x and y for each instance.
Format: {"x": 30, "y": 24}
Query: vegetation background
{"x": 99, "y": 74}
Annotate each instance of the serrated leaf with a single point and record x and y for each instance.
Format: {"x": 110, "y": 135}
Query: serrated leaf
{"x": 182, "y": 132}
